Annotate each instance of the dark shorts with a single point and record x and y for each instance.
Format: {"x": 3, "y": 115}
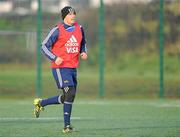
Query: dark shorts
{"x": 65, "y": 77}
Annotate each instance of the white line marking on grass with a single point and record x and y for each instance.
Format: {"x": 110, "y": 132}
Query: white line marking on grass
{"x": 40, "y": 119}
{"x": 128, "y": 103}
{"x": 168, "y": 105}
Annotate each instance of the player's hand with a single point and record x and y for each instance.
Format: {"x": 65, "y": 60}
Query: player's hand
{"x": 58, "y": 61}
{"x": 84, "y": 56}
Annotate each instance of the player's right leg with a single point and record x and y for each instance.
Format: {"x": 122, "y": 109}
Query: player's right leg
{"x": 39, "y": 104}
{"x": 37, "y": 107}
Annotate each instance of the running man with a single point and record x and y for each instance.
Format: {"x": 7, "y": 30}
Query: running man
{"x": 63, "y": 46}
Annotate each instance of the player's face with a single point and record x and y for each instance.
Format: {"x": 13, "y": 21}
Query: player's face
{"x": 70, "y": 18}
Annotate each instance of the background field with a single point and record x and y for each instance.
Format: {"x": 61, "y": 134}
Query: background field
{"x": 134, "y": 81}
{"x": 98, "y": 118}
{"x": 131, "y": 48}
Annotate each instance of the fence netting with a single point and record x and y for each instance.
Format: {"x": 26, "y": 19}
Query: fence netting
{"x": 131, "y": 47}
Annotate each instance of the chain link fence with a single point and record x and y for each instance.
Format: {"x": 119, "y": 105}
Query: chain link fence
{"x": 131, "y": 47}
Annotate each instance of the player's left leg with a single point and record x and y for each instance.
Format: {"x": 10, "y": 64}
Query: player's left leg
{"x": 69, "y": 83}
{"x": 69, "y": 93}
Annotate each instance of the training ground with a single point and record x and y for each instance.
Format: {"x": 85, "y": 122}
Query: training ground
{"x": 98, "y": 118}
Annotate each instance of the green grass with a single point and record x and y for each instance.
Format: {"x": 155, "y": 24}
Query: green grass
{"x": 21, "y": 82}
{"x": 97, "y": 118}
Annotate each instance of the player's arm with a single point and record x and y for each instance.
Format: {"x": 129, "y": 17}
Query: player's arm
{"x": 83, "y": 49}
{"x": 48, "y": 42}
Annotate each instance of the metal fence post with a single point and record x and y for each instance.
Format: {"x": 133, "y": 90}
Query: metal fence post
{"x": 38, "y": 50}
{"x": 161, "y": 44}
{"x": 101, "y": 50}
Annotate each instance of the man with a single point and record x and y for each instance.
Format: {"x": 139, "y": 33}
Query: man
{"x": 62, "y": 46}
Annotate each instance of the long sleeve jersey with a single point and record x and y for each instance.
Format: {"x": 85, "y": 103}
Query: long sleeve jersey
{"x": 52, "y": 37}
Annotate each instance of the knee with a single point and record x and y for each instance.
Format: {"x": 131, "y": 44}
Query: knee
{"x": 69, "y": 94}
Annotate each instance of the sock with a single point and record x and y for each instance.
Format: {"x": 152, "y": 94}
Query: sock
{"x": 67, "y": 113}
{"x": 51, "y": 100}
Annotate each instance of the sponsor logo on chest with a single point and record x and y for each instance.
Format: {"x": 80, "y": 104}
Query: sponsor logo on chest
{"x": 72, "y": 45}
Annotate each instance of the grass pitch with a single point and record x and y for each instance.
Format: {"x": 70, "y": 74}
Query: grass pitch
{"x": 97, "y": 118}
